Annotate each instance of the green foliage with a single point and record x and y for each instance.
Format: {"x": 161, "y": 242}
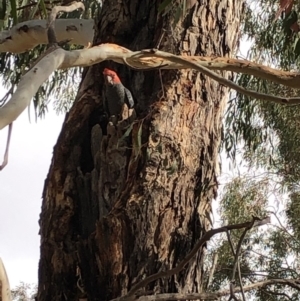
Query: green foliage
{"x": 268, "y": 252}
{"x": 13, "y": 12}
{"x": 269, "y": 132}
{"x": 3, "y": 7}
{"x": 177, "y": 9}
{"x": 242, "y": 199}
{"x": 293, "y": 213}
{"x": 267, "y": 136}
{"x": 24, "y": 292}
{"x": 63, "y": 84}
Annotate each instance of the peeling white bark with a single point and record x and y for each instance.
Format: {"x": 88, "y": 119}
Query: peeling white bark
{"x": 5, "y": 294}
{"x": 145, "y": 59}
{"x": 29, "y": 34}
{"x": 29, "y": 85}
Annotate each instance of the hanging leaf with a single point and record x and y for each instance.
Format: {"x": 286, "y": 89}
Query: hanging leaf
{"x": 290, "y": 19}
{"x": 297, "y": 47}
{"x": 285, "y": 6}
{"x": 178, "y": 15}
{"x": 13, "y": 5}
{"x": 166, "y": 4}
{"x": 128, "y": 131}
{"x": 43, "y": 6}
{"x": 2, "y": 10}
{"x": 139, "y": 136}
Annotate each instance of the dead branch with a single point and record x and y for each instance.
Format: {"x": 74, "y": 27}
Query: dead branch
{"x": 236, "y": 264}
{"x": 52, "y": 16}
{"x": 212, "y": 269}
{"x": 232, "y": 293}
{"x": 27, "y": 35}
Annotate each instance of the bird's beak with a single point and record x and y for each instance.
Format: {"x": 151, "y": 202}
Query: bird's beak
{"x": 109, "y": 80}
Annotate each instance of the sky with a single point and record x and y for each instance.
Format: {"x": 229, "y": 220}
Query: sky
{"x": 21, "y": 186}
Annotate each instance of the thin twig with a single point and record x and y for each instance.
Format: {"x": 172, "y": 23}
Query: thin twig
{"x": 282, "y": 226}
{"x": 212, "y": 269}
{"x": 240, "y": 280}
{"x": 35, "y": 3}
{"x": 236, "y": 259}
{"x": 276, "y": 294}
{"x": 230, "y": 243}
{"x": 161, "y": 38}
{"x": 5, "y": 97}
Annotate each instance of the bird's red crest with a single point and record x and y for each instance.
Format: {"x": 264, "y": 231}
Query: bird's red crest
{"x": 112, "y": 74}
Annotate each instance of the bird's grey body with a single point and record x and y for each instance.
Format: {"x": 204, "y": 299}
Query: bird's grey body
{"x": 115, "y": 94}
{"x": 115, "y": 97}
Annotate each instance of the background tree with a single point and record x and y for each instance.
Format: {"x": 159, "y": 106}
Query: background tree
{"x": 270, "y": 135}
{"x": 267, "y": 253}
{"x": 24, "y": 292}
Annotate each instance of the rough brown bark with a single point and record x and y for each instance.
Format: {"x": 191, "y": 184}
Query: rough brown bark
{"x": 114, "y": 212}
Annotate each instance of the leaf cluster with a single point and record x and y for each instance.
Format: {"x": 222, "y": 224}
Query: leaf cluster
{"x": 24, "y": 292}
{"x": 268, "y": 253}
{"x": 63, "y": 85}
{"x": 269, "y": 133}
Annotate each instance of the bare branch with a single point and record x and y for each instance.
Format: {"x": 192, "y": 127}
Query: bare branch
{"x": 282, "y": 227}
{"x": 178, "y": 296}
{"x": 52, "y": 16}
{"x": 212, "y": 269}
{"x": 236, "y": 259}
{"x": 232, "y": 293}
{"x": 286, "y": 78}
{"x": 277, "y": 294}
{"x": 240, "y": 280}
{"x": 230, "y": 243}
{"x": 28, "y": 86}
{"x": 29, "y": 34}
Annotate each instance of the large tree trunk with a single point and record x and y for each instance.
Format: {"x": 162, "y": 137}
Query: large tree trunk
{"x": 116, "y": 209}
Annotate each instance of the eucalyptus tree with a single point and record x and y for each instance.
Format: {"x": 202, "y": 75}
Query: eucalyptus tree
{"x": 126, "y": 206}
